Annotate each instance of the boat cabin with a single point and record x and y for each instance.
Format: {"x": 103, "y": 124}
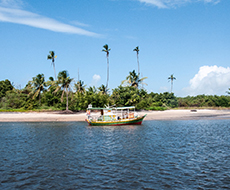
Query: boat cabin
{"x": 111, "y": 114}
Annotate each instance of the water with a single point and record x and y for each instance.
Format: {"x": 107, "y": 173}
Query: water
{"x": 155, "y": 155}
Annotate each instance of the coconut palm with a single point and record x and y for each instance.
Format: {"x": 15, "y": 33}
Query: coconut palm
{"x": 80, "y": 87}
{"x": 137, "y": 50}
{"x": 103, "y": 90}
{"x": 51, "y": 84}
{"x": 228, "y": 92}
{"x": 107, "y": 49}
{"x": 91, "y": 90}
{"x": 52, "y": 57}
{"x": 38, "y": 84}
{"x": 171, "y": 78}
{"x": 133, "y": 79}
{"x": 64, "y": 84}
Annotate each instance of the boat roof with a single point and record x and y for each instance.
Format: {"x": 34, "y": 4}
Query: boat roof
{"x": 115, "y": 108}
{"x": 124, "y": 108}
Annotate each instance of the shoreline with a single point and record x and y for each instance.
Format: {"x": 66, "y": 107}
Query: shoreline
{"x": 199, "y": 114}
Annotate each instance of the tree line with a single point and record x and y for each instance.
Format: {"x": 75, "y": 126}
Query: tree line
{"x": 63, "y": 93}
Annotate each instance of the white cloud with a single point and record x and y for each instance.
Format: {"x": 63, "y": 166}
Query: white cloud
{"x": 174, "y": 3}
{"x": 19, "y": 16}
{"x": 96, "y": 79}
{"x": 163, "y": 89}
{"x": 11, "y": 3}
{"x": 158, "y": 3}
{"x": 77, "y": 23}
{"x": 210, "y": 80}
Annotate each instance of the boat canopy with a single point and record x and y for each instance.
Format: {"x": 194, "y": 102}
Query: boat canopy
{"x": 99, "y": 108}
{"x": 125, "y": 108}
{"x": 115, "y": 108}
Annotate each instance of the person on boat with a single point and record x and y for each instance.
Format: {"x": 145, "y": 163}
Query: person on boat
{"x": 88, "y": 113}
{"x": 125, "y": 115}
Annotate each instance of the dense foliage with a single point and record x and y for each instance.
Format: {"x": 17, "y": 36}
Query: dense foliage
{"x": 42, "y": 94}
{"x": 204, "y": 101}
{"x": 4, "y": 87}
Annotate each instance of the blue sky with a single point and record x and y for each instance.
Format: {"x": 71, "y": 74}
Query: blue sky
{"x": 187, "y": 38}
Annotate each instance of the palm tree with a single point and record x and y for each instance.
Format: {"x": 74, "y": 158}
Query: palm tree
{"x": 103, "y": 90}
{"x": 64, "y": 80}
{"x": 91, "y": 90}
{"x": 51, "y": 84}
{"x": 228, "y": 92}
{"x": 52, "y": 57}
{"x": 134, "y": 80}
{"x": 80, "y": 87}
{"x": 107, "y": 49}
{"x": 137, "y": 50}
{"x": 39, "y": 85}
{"x": 171, "y": 78}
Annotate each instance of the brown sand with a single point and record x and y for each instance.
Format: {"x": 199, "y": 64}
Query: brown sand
{"x": 151, "y": 115}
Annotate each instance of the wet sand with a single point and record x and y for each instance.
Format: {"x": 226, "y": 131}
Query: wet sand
{"x": 151, "y": 115}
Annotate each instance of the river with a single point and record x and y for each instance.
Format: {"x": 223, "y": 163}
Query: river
{"x": 154, "y": 155}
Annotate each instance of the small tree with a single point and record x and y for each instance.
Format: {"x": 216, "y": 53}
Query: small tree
{"x": 80, "y": 87}
{"x": 39, "y": 85}
{"x": 133, "y": 79}
{"x": 64, "y": 84}
{"x": 103, "y": 90}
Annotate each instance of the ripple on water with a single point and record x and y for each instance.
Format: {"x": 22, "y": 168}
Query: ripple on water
{"x": 155, "y": 155}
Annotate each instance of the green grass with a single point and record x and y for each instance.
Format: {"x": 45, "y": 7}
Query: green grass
{"x": 13, "y": 110}
{"x": 157, "y": 108}
{"x": 33, "y": 110}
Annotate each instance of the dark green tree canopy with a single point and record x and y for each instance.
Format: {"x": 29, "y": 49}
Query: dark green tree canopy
{"x": 4, "y": 87}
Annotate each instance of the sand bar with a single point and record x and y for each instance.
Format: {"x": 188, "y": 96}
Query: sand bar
{"x": 151, "y": 115}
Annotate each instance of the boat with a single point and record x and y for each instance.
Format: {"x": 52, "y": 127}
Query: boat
{"x": 113, "y": 116}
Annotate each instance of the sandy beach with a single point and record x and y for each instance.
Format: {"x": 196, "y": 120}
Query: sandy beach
{"x": 151, "y": 115}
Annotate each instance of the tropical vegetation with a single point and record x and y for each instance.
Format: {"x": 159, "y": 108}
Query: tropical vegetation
{"x": 41, "y": 94}
{"x": 49, "y": 95}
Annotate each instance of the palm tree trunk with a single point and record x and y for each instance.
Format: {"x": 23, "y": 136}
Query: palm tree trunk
{"x": 171, "y": 85}
{"x": 54, "y": 71}
{"x": 107, "y": 72}
{"x": 67, "y": 101}
{"x": 138, "y": 64}
{"x": 39, "y": 99}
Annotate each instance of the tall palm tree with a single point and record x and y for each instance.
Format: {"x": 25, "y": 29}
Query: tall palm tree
{"x": 107, "y": 49}
{"x": 52, "y": 57}
{"x": 80, "y": 87}
{"x": 134, "y": 80}
{"x": 64, "y": 80}
{"x": 103, "y": 90}
{"x": 171, "y": 78}
{"x": 137, "y": 50}
{"x": 39, "y": 85}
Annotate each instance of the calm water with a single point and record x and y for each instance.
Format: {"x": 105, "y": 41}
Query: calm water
{"x": 155, "y": 155}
